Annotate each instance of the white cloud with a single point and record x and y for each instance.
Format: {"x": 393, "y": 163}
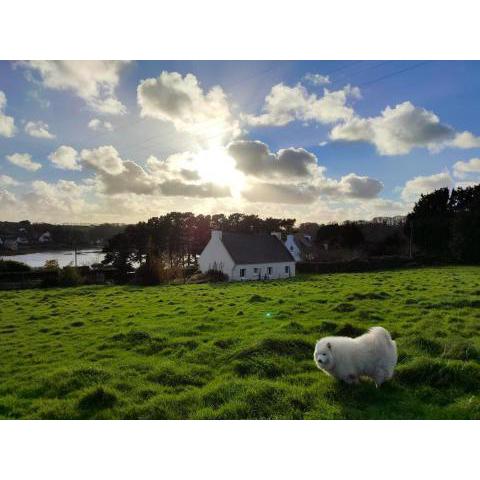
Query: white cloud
{"x": 9, "y": 203}
{"x": 66, "y": 158}
{"x": 38, "y": 129}
{"x": 183, "y": 102}
{"x": 353, "y": 186}
{"x": 255, "y": 159}
{"x": 317, "y": 79}
{"x": 464, "y": 169}
{"x": 466, "y": 140}
{"x": 7, "y": 181}
{"x": 297, "y": 176}
{"x": 60, "y": 200}
{"x": 266, "y": 192}
{"x": 7, "y": 124}
{"x": 94, "y": 81}
{"x": 104, "y": 159}
{"x": 24, "y": 160}
{"x": 397, "y": 130}
{"x": 100, "y": 125}
{"x": 425, "y": 184}
{"x": 173, "y": 177}
{"x": 285, "y": 104}
{"x": 175, "y": 167}
{"x": 131, "y": 179}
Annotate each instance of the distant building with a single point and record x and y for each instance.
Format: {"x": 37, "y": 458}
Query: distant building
{"x": 243, "y": 256}
{"x": 390, "y": 221}
{"x": 45, "y": 237}
{"x": 10, "y": 244}
{"x": 302, "y": 247}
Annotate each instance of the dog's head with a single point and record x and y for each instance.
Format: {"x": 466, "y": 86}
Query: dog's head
{"x": 323, "y": 355}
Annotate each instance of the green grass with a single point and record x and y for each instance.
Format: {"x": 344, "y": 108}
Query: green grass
{"x": 238, "y": 351}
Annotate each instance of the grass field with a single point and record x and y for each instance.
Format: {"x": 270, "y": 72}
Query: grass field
{"x": 238, "y": 351}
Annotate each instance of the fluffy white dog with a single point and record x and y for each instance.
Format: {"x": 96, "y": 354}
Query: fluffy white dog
{"x": 373, "y": 354}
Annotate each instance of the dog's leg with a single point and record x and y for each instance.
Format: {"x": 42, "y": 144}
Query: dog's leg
{"x": 380, "y": 376}
{"x": 351, "y": 379}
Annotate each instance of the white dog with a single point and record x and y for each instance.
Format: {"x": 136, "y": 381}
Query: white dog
{"x": 373, "y": 354}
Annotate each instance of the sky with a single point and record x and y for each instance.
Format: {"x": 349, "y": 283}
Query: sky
{"x": 323, "y": 141}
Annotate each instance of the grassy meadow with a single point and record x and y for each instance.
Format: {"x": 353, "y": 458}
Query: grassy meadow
{"x": 240, "y": 351}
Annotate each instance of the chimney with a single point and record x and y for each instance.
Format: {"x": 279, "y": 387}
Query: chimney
{"x": 278, "y": 235}
{"x": 217, "y": 234}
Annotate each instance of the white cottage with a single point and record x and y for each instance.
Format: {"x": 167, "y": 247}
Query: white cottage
{"x": 301, "y": 247}
{"x": 243, "y": 256}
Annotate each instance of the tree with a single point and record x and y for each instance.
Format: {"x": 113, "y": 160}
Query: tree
{"x": 429, "y": 223}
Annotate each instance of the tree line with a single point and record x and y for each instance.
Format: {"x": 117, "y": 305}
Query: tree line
{"x": 174, "y": 240}
{"x": 446, "y": 224}
{"x": 443, "y": 224}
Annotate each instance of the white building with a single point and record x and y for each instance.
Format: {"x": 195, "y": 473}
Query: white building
{"x": 243, "y": 256}
{"x": 45, "y": 237}
{"x": 301, "y": 247}
{"x": 292, "y": 246}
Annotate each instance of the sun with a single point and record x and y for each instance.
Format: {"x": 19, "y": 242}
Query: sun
{"x": 216, "y": 166}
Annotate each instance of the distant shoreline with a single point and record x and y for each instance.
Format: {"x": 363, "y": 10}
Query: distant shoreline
{"x": 50, "y": 249}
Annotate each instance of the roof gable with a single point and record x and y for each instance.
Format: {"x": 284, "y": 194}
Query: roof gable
{"x": 247, "y": 248}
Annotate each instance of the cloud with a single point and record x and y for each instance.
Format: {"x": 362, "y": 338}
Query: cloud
{"x": 288, "y": 165}
{"x": 179, "y": 166}
{"x": 55, "y": 200}
{"x": 317, "y": 79}
{"x": 94, "y": 81}
{"x": 7, "y": 124}
{"x": 131, "y": 179}
{"x": 171, "y": 177}
{"x": 8, "y": 201}
{"x": 285, "y": 104}
{"x": 464, "y": 169}
{"x": 38, "y": 129}
{"x": 183, "y": 102}
{"x": 425, "y": 184}
{"x": 100, "y": 125}
{"x": 7, "y": 181}
{"x": 397, "y": 130}
{"x": 104, "y": 159}
{"x": 267, "y": 192}
{"x": 24, "y": 160}
{"x": 255, "y": 159}
{"x": 65, "y": 158}
{"x": 203, "y": 190}
{"x": 466, "y": 140}
{"x": 353, "y": 186}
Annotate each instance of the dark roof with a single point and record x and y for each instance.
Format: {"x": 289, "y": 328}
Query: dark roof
{"x": 247, "y": 248}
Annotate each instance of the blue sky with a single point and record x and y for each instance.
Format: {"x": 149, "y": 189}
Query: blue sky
{"x": 315, "y": 140}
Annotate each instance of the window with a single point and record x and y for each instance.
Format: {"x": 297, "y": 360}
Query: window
{"x": 269, "y": 270}
{"x": 287, "y": 269}
{"x": 291, "y": 248}
{"x": 255, "y": 270}
{"x": 243, "y": 271}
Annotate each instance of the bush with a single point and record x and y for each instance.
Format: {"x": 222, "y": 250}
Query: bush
{"x": 12, "y": 266}
{"x": 155, "y": 271}
{"x": 216, "y": 276}
{"x": 69, "y": 277}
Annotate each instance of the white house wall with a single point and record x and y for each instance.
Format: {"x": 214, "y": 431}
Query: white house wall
{"x": 278, "y": 271}
{"x": 215, "y": 256}
{"x": 292, "y": 247}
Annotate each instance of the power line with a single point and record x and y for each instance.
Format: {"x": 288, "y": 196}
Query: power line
{"x": 398, "y": 72}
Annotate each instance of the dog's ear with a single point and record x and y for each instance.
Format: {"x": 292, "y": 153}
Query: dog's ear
{"x": 329, "y": 345}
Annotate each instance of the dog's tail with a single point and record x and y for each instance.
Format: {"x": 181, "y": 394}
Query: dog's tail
{"x": 381, "y": 332}
{"x": 382, "y": 336}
